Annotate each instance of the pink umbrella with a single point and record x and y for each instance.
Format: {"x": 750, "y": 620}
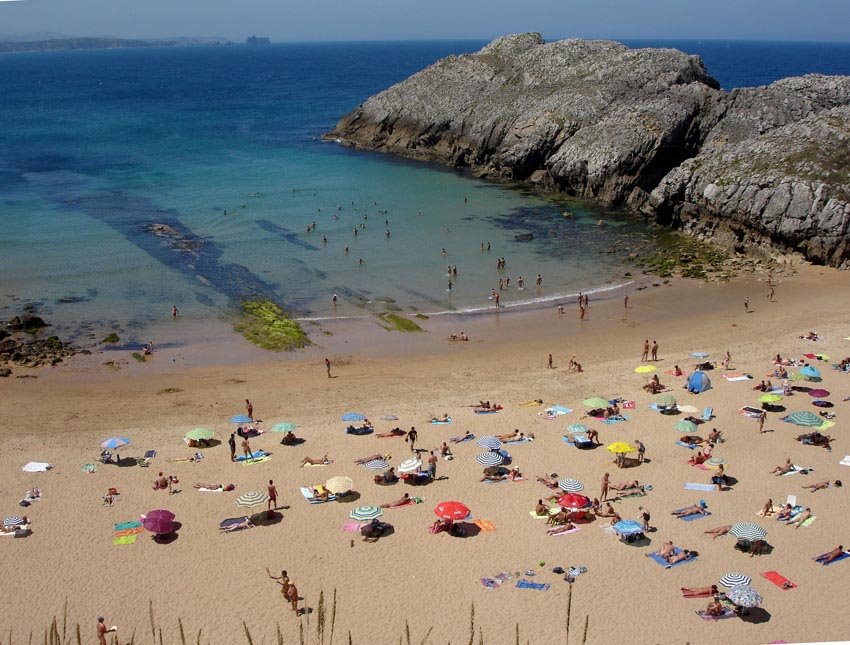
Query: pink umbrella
{"x": 818, "y": 394}
{"x": 159, "y": 522}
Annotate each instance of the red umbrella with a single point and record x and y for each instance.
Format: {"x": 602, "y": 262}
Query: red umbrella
{"x": 572, "y": 500}
{"x": 451, "y": 510}
{"x": 818, "y": 394}
{"x": 159, "y": 522}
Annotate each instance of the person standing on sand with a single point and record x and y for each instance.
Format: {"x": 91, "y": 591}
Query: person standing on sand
{"x": 232, "y": 443}
{"x": 272, "y": 496}
{"x": 641, "y": 449}
{"x": 250, "y": 408}
{"x": 293, "y": 598}
{"x": 411, "y": 437}
{"x": 432, "y": 466}
{"x": 604, "y": 495}
{"x": 328, "y": 367}
{"x": 645, "y": 356}
{"x": 645, "y": 517}
{"x": 550, "y": 362}
{"x": 762, "y": 418}
{"x": 102, "y": 631}
{"x": 747, "y": 304}
{"x": 246, "y": 449}
{"x": 581, "y": 312}
{"x": 654, "y": 350}
{"x": 727, "y": 358}
{"x": 625, "y": 302}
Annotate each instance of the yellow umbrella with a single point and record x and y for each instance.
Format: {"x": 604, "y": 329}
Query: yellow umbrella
{"x": 338, "y": 485}
{"x": 620, "y": 447}
{"x": 645, "y": 369}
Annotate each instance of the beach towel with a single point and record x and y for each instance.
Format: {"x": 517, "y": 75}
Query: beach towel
{"x": 517, "y": 441}
{"x": 461, "y": 439}
{"x": 841, "y": 557}
{"x": 36, "y": 467}
{"x": 491, "y": 583}
{"x": 307, "y": 493}
{"x": 442, "y": 423}
{"x": 527, "y": 584}
{"x": 708, "y": 488}
{"x": 617, "y": 419}
{"x": 749, "y": 411}
{"x": 798, "y": 469}
{"x": 485, "y": 525}
{"x": 700, "y": 466}
{"x": 727, "y": 613}
{"x": 352, "y": 527}
{"x": 89, "y": 468}
{"x": 809, "y": 521}
{"x": 134, "y": 531}
{"x": 220, "y": 489}
{"x": 658, "y": 559}
{"x": 261, "y": 460}
{"x": 734, "y": 378}
{"x": 575, "y": 529}
{"x": 256, "y": 455}
{"x": 845, "y": 461}
{"x": 494, "y": 481}
{"x": 689, "y": 446}
{"x": 536, "y": 516}
{"x": 124, "y": 539}
{"x": 150, "y": 454}
{"x": 532, "y": 403}
{"x": 691, "y": 518}
{"x": 123, "y": 526}
{"x": 779, "y": 580}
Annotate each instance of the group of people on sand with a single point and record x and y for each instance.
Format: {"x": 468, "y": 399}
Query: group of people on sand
{"x": 672, "y": 555}
{"x": 287, "y": 589}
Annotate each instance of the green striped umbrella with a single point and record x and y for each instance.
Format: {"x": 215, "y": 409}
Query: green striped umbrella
{"x": 683, "y": 425}
{"x": 283, "y": 426}
{"x": 200, "y": 434}
{"x": 596, "y": 402}
{"x": 806, "y": 419}
{"x": 366, "y": 513}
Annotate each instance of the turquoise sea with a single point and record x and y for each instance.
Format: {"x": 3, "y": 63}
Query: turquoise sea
{"x": 135, "y": 180}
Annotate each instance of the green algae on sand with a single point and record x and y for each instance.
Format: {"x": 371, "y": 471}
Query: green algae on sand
{"x": 399, "y": 323}
{"x": 265, "y": 324}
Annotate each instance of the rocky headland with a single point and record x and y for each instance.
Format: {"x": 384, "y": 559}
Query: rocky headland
{"x": 648, "y": 129}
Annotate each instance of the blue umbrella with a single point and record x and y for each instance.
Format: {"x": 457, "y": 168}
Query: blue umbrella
{"x": 283, "y": 426}
{"x": 241, "y": 418}
{"x": 491, "y": 443}
{"x": 810, "y": 372}
{"x": 628, "y": 527}
{"x": 489, "y": 459}
{"x": 699, "y": 354}
{"x": 115, "y": 442}
{"x": 376, "y": 464}
{"x": 353, "y": 416}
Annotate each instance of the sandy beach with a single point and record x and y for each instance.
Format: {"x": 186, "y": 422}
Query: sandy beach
{"x": 215, "y": 582}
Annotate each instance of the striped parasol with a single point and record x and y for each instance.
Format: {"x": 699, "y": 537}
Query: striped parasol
{"x": 491, "y": 443}
{"x": 376, "y": 464}
{"x": 744, "y": 596}
{"x": 353, "y": 416}
{"x": 252, "y": 498}
{"x": 13, "y": 521}
{"x": 200, "y": 434}
{"x": 735, "y": 580}
{"x": 338, "y": 485}
{"x": 570, "y": 485}
{"x": 362, "y": 513}
{"x": 683, "y": 425}
{"x": 241, "y": 418}
{"x": 114, "y": 443}
{"x": 715, "y": 461}
{"x": 748, "y": 531}
{"x": 806, "y": 418}
{"x": 577, "y": 428}
{"x": 283, "y": 426}
{"x": 489, "y": 458}
{"x": 409, "y": 466}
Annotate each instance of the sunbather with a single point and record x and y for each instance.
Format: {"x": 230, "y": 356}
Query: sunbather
{"x": 445, "y": 451}
{"x": 558, "y": 518}
{"x": 699, "y": 592}
{"x": 321, "y": 494}
{"x": 673, "y": 558}
{"x": 625, "y": 485}
{"x": 365, "y": 460}
{"x": 593, "y": 436}
{"x": 548, "y": 482}
{"x": 694, "y": 509}
{"x": 822, "y": 485}
{"x": 787, "y": 467}
{"x": 608, "y": 511}
{"x": 440, "y": 526}
{"x": 785, "y": 513}
{"x": 715, "y": 436}
{"x": 715, "y": 607}
{"x": 563, "y": 528}
{"x": 677, "y": 371}
{"x": 387, "y": 477}
{"x": 238, "y": 526}
{"x": 324, "y": 461}
{"x": 541, "y": 508}
{"x": 516, "y": 435}
{"x": 720, "y": 530}
{"x": 797, "y": 522}
{"x": 666, "y": 549}
{"x": 692, "y": 439}
{"x": 208, "y": 486}
{"x": 463, "y": 438}
{"x": 441, "y": 419}
{"x": 767, "y": 509}
{"x": 829, "y": 556}
{"x": 395, "y": 432}
{"x": 404, "y": 501}
{"x": 374, "y": 530}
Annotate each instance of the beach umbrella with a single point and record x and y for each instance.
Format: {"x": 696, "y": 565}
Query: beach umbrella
{"x": 688, "y": 408}
{"x": 409, "y": 466}
{"x": 683, "y": 425}
{"x": 159, "y": 522}
{"x": 628, "y": 527}
{"x": 734, "y": 580}
{"x": 113, "y": 443}
{"x": 822, "y": 404}
{"x": 596, "y": 402}
{"x": 572, "y": 500}
{"x": 744, "y": 596}
{"x": 252, "y": 498}
{"x": 353, "y": 416}
{"x": 715, "y": 461}
{"x": 700, "y": 354}
{"x": 283, "y": 426}
{"x": 810, "y": 371}
{"x": 200, "y": 434}
{"x": 747, "y": 531}
{"x": 570, "y": 485}
{"x": 367, "y": 512}
{"x": 241, "y": 418}
{"x": 578, "y": 428}
{"x": 451, "y": 510}
{"x": 339, "y": 484}
{"x": 796, "y": 376}
{"x": 489, "y": 458}
{"x": 665, "y": 401}
{"x": 818, "y": 393}
{"x": 620, "y": 447}
{"x": 376, "y": 464}
{"x": 770, "y": 398}
{"x": 13, "y": 521}
{"x": 491, "y": 443}
{"x": 645, "y": 369}
{"x": 805, "y": 418}
{"x": 389, "y": 417}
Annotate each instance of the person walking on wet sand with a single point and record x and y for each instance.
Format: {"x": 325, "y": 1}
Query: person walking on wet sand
{"x": 654, "y": 350}
{"x": 272, "y": 496}
{"x": 604, "y": 495}
{"x": 645, "y": 356}
{"x": 539, "y": 280}
{"x": 581, "y": 312}
{"x": 232, "y": 443}
{"x": 550, "y": 362}
{"x": 328, "y": 367}
{"x": 250, "y": 408}
{"x": 411, "y": 437}
{"x": 625, "y": 302}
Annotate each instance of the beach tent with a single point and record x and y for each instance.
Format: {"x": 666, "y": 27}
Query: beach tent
{"x": 698, "y": 382}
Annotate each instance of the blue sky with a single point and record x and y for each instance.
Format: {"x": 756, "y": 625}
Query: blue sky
{"x": 299, "y": 20}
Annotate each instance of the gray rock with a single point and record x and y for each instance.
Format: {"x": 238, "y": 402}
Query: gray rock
{"x": 644, "y": 128}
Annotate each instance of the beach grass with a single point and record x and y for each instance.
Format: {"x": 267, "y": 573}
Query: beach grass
{"x": 265, "y": 324}
{"x": 138, "y": 357}
{"x": 399, "y": 323}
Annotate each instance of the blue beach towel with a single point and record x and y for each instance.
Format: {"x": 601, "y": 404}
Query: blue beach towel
{"x": 691, "y": 518}
{"x": 708, "y": 488}
{"x": 689, "y": 446}
{"x": 617, "y": 419}
{"x": 123, "y": 526}
{"x": 658, "y": 559}
{"x": 527, "y": 584}
{"x": 517, "y": 441}
{"x": 841, "y": 557}
{"x": 257, "y": 455}
{"x": 442, "y": 423}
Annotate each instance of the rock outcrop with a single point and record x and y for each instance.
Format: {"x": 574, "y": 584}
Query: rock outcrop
{"x": 647, "y": 128}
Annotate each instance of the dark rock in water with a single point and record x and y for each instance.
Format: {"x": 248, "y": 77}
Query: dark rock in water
{"x": 524, "y": 237}
{"x": 27, "y": 322}
{"x": 5, "y": 371}
{"x": 21, "y": 347}
{"x": 644, "y": 128}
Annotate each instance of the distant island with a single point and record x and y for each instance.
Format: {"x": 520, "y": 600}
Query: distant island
{"x": 256, "y": 40}
{"x": 66, "y": 44}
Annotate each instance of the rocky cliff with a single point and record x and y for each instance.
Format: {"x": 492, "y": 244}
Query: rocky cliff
{"x": 648, "y": 128}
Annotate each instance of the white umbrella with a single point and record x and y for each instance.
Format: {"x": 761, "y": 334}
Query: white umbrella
{"x": 409, "y": 466}
{"x": 252, "y": 498}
